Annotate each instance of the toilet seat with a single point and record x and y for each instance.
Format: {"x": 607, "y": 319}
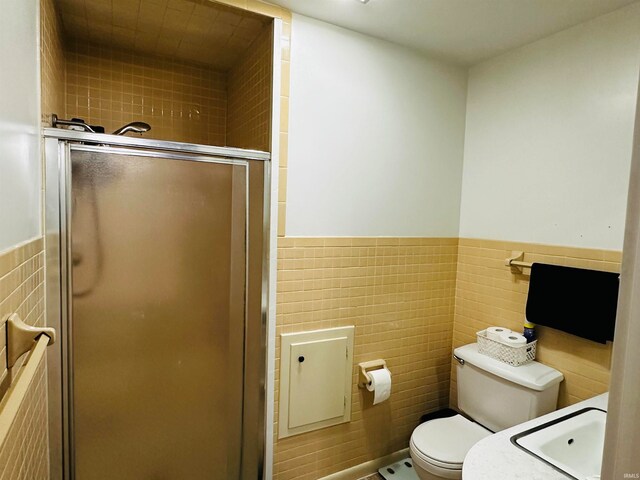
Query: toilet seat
{"x": 434, "y": 462}
{"x": 440, "y": 445}
{"x": 422, "y": 462}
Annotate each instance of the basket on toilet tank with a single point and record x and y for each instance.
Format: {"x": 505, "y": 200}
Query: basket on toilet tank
{"x": 511, "y": 355}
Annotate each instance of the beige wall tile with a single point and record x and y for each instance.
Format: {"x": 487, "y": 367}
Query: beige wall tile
{"x": 399, "y": 294}
{"x": 282, "y": 192}
{"x": 487, "y": 293}
{"x": 52, "y": 62}
{"x": 284, "y": 150}
{"x": 285, "y": 78}
{"x": 249, "y": 113}
{"x": 411, "y": 300}
{"x": 284, "y": 114}
{"x": 181, "y": 101}
{"x": 282, "y": 218}
{"x": 265, "y": 8}
{"x": 24, "y": 452}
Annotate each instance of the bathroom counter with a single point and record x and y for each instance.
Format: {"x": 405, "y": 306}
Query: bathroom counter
{"x": 496, "y": 458}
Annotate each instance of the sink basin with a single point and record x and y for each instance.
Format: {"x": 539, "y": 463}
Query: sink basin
{"x": 572, "y": 444}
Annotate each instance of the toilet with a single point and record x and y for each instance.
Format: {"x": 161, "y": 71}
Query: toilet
{"x": 492, "y": 396}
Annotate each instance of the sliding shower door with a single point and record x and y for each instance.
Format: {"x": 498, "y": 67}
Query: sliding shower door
{"x": 164, "y": 315}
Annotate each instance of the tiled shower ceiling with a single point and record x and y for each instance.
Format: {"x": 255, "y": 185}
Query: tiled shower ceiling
{"x": 193, "y": 30}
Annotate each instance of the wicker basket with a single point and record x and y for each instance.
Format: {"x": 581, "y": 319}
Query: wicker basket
{"x": 514, "y": 356}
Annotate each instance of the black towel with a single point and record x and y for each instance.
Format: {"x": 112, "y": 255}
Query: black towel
{"x": 574, "y": 300}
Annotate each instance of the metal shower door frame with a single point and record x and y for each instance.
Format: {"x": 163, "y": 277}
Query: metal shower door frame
{"x": 58, "y": 145}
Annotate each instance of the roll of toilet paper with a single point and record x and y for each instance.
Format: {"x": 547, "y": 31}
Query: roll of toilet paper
{"x": 493, "y": 333}
{"x": 512, "y": 338}
{"x": 380, "y": 384}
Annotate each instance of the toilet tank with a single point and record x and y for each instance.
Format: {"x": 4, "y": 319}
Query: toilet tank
{"x": 499, "y": 396}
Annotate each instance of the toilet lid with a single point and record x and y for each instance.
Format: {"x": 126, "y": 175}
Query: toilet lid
{"x": 447, "y": 440}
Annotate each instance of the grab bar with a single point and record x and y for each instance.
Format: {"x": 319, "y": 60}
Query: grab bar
{"x": 15, "y": 396}
{"x": 20, "y": 337}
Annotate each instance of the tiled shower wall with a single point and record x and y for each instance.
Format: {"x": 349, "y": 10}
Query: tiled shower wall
{"x": 181, "y": 101}
{"x": 487, "y": 294}
{"x": 249, "y": 118}
{"x": 24, "y": 452}
{"x": 399, "y": 293}
{"x": 52, "y": 62}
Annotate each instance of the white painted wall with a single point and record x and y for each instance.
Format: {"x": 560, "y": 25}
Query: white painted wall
{"x": 376, "y": 137}
{"x": 20, "y": 172}
{"x": 549, "y": 135}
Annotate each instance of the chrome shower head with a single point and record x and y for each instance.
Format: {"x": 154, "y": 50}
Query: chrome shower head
{"x": 136, "y": 127}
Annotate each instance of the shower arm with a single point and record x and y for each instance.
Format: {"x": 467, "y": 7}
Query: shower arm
{"x": 55, "y": 121}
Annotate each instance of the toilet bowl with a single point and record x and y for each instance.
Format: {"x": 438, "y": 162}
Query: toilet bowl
{"x": 494, "y": 396}
{"x": 438, "y": 447}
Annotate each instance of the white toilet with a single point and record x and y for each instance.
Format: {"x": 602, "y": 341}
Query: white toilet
{"x": 495, "y": 396}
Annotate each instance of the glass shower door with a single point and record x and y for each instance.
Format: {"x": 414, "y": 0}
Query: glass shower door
{"x": 158, "y": 303}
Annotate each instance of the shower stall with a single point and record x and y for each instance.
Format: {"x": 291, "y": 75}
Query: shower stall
{"x": 157, "y": 261}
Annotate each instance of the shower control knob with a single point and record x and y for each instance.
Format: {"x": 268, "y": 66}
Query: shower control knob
{"x": 301, "y": 358}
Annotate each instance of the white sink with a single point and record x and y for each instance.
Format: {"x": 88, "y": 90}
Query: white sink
{"x": 572, "y": 444}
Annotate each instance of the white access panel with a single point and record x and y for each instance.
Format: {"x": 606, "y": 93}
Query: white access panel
{"x": 315, "y": 385}
{"x": 316, "y": 381}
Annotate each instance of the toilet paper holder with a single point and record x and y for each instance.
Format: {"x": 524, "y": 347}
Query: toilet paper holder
{"x": 364, "y": 367}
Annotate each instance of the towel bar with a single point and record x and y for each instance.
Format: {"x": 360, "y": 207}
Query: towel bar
{"x": 20, "y": 337}
{"x": 13, "y": 400}
{"x": 516, "y": 263}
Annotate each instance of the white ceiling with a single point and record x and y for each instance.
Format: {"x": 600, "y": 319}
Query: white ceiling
{"x": 461, "y": 31}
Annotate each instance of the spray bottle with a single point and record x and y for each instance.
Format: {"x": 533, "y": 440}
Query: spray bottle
{"x": 529, "y": 331}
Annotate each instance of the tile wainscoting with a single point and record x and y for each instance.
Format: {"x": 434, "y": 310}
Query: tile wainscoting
{"x": 487, "y": 293}
{"x": 411, "y": 300}
{"x": 24, "y": 450}
{"x": 399, "y": 294}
